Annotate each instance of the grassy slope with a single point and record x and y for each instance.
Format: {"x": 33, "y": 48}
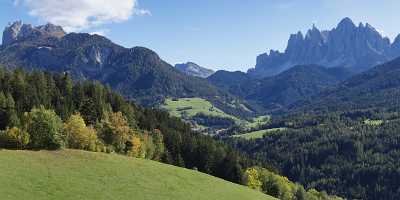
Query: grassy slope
{"x": 257, "y": 134}
{"x": 71, "y": 174}
{"x": 258, "y": 121}
{"x": 197, "y": 105}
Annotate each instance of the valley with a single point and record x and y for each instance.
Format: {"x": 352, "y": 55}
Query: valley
{"x": 95, "y": 119}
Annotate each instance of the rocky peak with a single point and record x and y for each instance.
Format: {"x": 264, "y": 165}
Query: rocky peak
{"x": 312, "y": 33}
{"x": 347, "y": 45}
{"x": 314, "y": 36}
{"x": 396, "y": 44}
{"x": 11, "y": 32}
{"x": 295, "y": 41}
{"x": 346, "y": 24}
{"x": 194, "y": 69}
{"x": 19, "y": 31}
{"x": 53, "y": 30}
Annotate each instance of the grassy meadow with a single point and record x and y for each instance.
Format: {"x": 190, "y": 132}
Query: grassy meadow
{"x": 73, "y": 174}
{"x": 258, "y": 134}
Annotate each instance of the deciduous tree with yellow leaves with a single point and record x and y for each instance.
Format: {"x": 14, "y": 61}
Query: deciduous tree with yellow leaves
{"x": 78, "y": 135}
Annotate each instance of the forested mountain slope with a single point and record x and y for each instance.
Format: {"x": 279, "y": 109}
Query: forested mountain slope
{"x": 377, "y": 88}
{"x": 137, "y": 73}
{"x": 278, "y": 92}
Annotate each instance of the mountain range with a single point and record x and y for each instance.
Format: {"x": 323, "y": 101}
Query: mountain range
{"x": 193, "y": 69}
{"x": 356, "y": 48}
{"x": 138, "y": 73}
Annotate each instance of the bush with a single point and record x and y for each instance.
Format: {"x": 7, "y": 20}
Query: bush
{"x": 136, "y": 147}
{"x": 116, "y": 131}
{"x": 44, "y": 127}
{"x": 78, "y": 135}
{"x": 14, "y": 138}
{"x": 280, "y": 187}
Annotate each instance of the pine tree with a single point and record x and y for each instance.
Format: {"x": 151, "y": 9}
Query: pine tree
{"x": 3, "y": 111}
{"x": 12, "y": 118}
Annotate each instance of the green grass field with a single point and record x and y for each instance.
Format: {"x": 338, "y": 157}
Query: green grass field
{"x": 258, "y": 134}
{"x": 73, "y": 174}
{"x": 193, "y": 106}
{"x": 258, "y": 121}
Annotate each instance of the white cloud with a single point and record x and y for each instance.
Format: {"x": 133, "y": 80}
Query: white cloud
{"x": 77, "y": 15}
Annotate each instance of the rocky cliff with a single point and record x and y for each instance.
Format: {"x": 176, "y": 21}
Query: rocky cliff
{"x": 192, "y": 69}
{"x": 356, "y": 48}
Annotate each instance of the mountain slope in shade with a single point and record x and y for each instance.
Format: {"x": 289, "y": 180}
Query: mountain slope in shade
{"x": 236, "y": 83}
{"x": 297, "y": 83}
{"x": 137, "y": 73}
{"x": 357, "y": 48}
{"x": 192, "y": 69}
{"x": 278, "y": 92}
{"x": 377, "y": 88}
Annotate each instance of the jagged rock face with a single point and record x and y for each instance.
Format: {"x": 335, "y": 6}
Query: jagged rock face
{"x": 192, "y": 69}
{"x": 355, "y": 47}
{"x": 19, "y": 31}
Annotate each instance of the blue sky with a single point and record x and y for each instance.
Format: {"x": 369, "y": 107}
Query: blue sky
{"x": 218, "y": 34}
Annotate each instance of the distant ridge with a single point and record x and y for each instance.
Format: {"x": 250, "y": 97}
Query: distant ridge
{"x": 375, "y": 89}
{"x": 356, "y": 48}
{"x": 275, "y": 93}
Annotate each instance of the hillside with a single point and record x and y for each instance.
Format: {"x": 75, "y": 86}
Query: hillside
{"x": 72, "y": 174}
{"x": 377, "y": 88}
{"x": 236, "y": 83}
{"x": 277, "y": 92}
{"x": 353, "y": 154}
{"x": 90, "y": 104}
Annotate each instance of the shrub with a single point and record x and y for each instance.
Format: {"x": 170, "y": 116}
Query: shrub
{"x": 136, "y": 147}
{"x": 78, "y": 135}
{"x": 14, "y": 138}
{"x": 252, "y": 179}
{"x": 116, "y": 131}
{"x": 44, "y": 127}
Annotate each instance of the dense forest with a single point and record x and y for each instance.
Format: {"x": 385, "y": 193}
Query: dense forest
{"x": 352, "y": 154}
{"x": 95, "y": 118}
{"x": 40, "y": 110}
{"x": 375, "y": 89}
